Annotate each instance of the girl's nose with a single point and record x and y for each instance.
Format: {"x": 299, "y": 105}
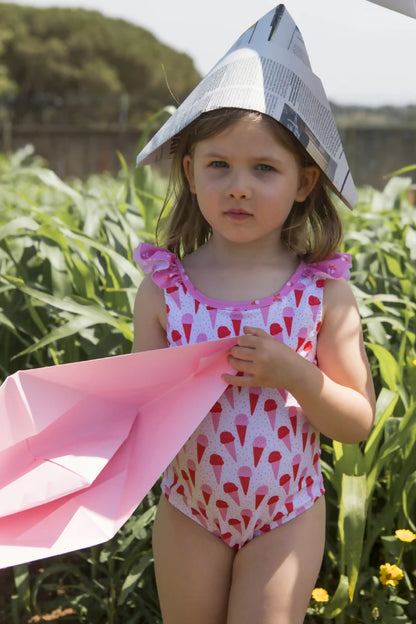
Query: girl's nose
{"x": 238, "y": 187}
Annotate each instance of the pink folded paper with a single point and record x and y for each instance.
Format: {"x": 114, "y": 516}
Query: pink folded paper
{"x": 81, "y": 444}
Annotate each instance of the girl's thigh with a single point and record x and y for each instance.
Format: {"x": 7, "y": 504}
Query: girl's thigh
{"x": 274, "y": 574}
{"x": 193, "y": 569}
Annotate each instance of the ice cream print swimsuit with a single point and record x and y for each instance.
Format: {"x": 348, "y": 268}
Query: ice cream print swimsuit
{"x": 253, "y": 463}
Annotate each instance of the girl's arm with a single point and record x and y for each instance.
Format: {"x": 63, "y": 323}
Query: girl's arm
{"x": 337, "y": 396}
{"x": 149, "y": 317}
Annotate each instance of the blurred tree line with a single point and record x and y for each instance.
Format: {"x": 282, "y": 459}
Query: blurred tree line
{"x": 61, "y": 65}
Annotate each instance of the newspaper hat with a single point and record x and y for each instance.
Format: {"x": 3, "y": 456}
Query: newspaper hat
{"x": 407, "y": 7}
{"x": 267, "y": 70}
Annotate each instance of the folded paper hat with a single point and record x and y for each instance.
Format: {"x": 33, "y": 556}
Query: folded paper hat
{"x": 267, "y": 70}
{"x": 407, "y": 7}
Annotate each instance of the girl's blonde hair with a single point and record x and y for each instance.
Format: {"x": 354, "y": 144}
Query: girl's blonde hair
{"x": 313, "y": 229}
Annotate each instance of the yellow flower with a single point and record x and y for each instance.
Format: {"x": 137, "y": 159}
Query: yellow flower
{"x": 390, "y": 574}
{"x": 414, "y": 362}
{"x": 320, "y": 595}
{"x": 404, "y": 535}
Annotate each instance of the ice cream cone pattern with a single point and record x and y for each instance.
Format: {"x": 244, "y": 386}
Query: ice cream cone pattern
{"x": 229, "y": 395}
{"x": 270, "y": 407}
{"x": 303, "y": 475}
{"x": 299, "y": 293}
{"x": 216, "y": 410}
{"x": 272, "y": 502}
{"x": 227, "y": 439}
{"x": 246, "y": 515}
{"x": 283, "y": 434}
{"x": 232, "y": 490}
{"x": 309, "y": 484}
{"x": 261, "y": 492}
{"x": 181, "y": 490}
{"x": 293, "y": 417}
{"x": 173, "y": 291}
{"x": 217, "y": 463}
{"x": 236, "y": 318}
{"x": 295, "y": 465}
{"x": 302, "y": 334}
{"x": 241, "y": 422}
{"x": 176, "y": 337}
{"x": 316, "y": 463}
{"x": 284, "y": 482}
{"x": 274, "y": 461}
{"x": 314, "y": 304}
{"x": 191, "y": 470}
{"x": 244, "y": 474}
{"x": 254, "y": 397}
{"x": 288, "y": 314}
{"x": 201, "y": 445}
{"x": 185, "y": 477}
{"x": 202, "y": 509}
{"x": 259, "y": 444}
{"x": 289, "y": 504}
{"x": 222, "y": 507}
{"x": 265, "y": 314}
{"x": 236, "y": 524}
{"x": 206, "y": 492}
{"x": 305, "y": 432}
{"x": 187, "y": 321}
{"x": 212, "y": 315}
{"x": 276, "y": 331}
{"x": 223, "y": 332}
{"x": 196, "y": 306}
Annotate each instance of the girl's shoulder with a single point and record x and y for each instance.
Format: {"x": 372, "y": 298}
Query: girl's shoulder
{"x": 161, "y": 264}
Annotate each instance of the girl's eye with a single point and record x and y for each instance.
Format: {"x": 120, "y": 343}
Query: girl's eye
{"x": 218, "y": 164}
{"x": 263, "y": 167}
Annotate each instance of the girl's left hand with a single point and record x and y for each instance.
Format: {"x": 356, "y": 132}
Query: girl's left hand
{"x": 263, "y": 361}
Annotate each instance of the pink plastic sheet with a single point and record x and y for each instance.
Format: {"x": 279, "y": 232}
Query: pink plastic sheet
{"x": 81, "y": 444}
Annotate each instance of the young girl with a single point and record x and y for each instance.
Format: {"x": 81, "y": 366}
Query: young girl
{"x": 250, "y": 251}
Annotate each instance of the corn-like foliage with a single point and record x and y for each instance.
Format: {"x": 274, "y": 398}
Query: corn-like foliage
{"x": 67, "y": 288}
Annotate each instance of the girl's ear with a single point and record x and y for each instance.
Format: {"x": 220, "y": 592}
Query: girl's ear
{"x": 309, "y": 176}
{"x": 188, "y": 167}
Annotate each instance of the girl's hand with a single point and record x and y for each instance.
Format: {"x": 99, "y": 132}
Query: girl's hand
{"x": 263, "y": 360}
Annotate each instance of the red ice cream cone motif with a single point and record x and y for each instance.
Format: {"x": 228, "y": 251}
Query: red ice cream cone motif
{"x": 284, "y": 482}
{"x": 303, "y": 332}
{"x": 270, "y": 407}
{"x": 241, "y": 422}
{"x": 191, "y": 470}
{"x": 216, "y": 410}
{"x": 185, "y": 477}
{"x": 181, "y": 490}
{"x": 246, "y": 515}
{"x": 223, "y": 332}
{"x": 295, "y": 465}
{"x": 227, "y": 439}
{"x": 222, "y": 507}
{"x": 303, "y": 475}
{"x": 212, "y": 315}
{"x": 305, "y": 432}
{"x": 173, "y": 291}
{"x": 276, "y": 331}
{"x": 232, "y": 490}
{"x": 288, "y": 314}
{"x": 283, "y": 434}
{"x": 293, "y": 417}
{"x": 236, "y": 524}
{"x": 217, "y": 463}
{"x": 254, "y": 397}
{"x": 299, "y": 293}
{"x": 272, "y": 502}
{"x": 259, "y": 444}
{"x": 229, "y": 395}
{"x": 196, "y": 305}
{"x": 261, "y": 492}
{"x": 274, "y": 461}
{"x": 289, "y": 504}
{"x": 244, "y": 474}
{"x": 316, "y": 463}
{"x": 201, "y": 445}
{"x": 314, "y": 303}
{"x": 202, "y": 509}
{"x": 176, "y": 338}
{"x": 309, "y": 484}
{"x": 206, "y": 493}
{"x": 187, "y": 321}
{"x": 236, "y": 318}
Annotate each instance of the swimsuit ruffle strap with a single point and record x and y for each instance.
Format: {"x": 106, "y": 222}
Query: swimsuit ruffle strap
{"x": 336, "y": 267}
{"x": 158, "y": 262}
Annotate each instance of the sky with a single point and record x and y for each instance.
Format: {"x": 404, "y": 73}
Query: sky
{"x": 363, "y": 53}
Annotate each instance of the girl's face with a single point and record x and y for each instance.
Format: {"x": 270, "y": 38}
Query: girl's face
{"x": 246, "y": 181}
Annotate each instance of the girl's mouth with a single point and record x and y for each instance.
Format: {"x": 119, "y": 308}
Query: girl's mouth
{"x": 237, "y": 214}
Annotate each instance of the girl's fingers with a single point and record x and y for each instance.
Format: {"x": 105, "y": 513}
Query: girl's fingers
{"x": 237, "y": 380}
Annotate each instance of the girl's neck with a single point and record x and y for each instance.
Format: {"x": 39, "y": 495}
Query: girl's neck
{"x": 250, "y": 255}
